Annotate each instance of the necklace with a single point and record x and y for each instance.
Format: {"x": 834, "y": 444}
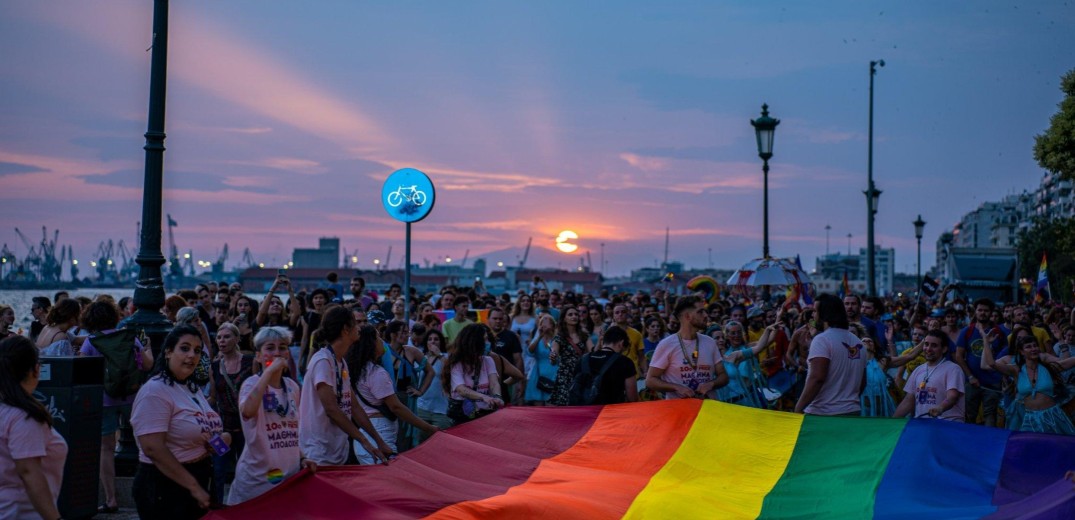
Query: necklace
{"x": 922, "y": 385}
{"x": 693, "y": 359}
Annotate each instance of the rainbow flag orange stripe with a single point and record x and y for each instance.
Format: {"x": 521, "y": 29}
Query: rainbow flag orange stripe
{"x": 693, "y": 459}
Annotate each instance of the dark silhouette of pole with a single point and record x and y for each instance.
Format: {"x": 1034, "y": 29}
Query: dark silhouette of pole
{"x": 919, "y": 226}
{"x": 871, "y": 194}
{"x": 149, "y": 293}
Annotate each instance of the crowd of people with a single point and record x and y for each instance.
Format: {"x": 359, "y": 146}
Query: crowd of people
{"x": 243, "y": 394}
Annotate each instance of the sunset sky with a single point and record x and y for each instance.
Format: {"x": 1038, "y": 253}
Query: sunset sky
{"x": 613, "y": 119}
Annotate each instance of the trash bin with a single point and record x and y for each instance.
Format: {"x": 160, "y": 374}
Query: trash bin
{"x": 72, "y": 389}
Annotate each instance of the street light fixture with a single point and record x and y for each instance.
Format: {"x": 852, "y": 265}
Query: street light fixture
{"x": 919, "y": 226}
{"x": 764, "y": 130}
{"x": 872, "y": 194}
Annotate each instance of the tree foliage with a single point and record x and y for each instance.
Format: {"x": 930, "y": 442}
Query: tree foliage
{"x": 1056, "y": 238}
{"x": 1055, "y": 148}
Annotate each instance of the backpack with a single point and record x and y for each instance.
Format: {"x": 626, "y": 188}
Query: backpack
{"x": 586, "y": 386}
{"x": 123, "y": 377}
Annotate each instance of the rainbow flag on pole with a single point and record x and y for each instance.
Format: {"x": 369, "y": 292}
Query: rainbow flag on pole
{"x": 693, "y": 459}
{"x": 845, "y": 286}
{"x": 1042, "y": 292}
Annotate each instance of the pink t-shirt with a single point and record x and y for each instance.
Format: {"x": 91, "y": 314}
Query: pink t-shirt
{"x": 320, "y": 439}
{"x": 375, "y": 387}
{"x": 467, "y": 379}
{"x": 672, "y": 356}
{"x": 185, "y": 416}
{"x": 847, "y": 366}
{"x": 272, "y": 451}
{"x": 23, "y": 438}
{"x": 930, "y": 385}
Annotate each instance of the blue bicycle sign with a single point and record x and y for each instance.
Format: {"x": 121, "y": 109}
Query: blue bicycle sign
{"x": 408, "y": 195}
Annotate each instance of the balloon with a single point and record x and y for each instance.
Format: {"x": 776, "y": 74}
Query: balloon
{"x": 707, "y": 285}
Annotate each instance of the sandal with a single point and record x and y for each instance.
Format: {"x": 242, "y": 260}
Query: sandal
{"x": 107, "y": 510}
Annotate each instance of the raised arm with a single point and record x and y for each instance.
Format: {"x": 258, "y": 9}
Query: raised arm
{"x": 988, "y": 363}
{"x": 901, "y": 360}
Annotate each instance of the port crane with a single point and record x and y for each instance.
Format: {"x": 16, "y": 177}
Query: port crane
{"x": 174, "y": 267}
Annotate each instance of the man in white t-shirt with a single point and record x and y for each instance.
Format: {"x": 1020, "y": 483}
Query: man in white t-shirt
{"x": 935, "y": 389}
{"x": 687, "y": 363}
{"x": 836, "y": 369}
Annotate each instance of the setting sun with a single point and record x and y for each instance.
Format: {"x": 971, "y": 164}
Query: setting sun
{"x": 562, "y": 241}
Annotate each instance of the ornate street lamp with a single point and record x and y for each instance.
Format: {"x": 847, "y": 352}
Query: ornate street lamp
{"x": 919, "y": 226}
{"x": 764, "y": 130}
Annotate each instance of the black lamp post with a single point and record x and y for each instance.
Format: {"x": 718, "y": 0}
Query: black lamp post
{"x": 149, "y": 292}
{"x": 919, "y": 225}
{"x": 872, "y": 194}
{"x": 764, "y": 129}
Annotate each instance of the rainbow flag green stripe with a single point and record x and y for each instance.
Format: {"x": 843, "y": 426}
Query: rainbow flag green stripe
{"x": 694, "y": 459}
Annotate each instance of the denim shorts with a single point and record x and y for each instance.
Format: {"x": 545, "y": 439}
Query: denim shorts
{"x": 110, "y": 418}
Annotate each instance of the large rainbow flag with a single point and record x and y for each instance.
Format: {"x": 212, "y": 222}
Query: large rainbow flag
{"x": 693, "y": 459}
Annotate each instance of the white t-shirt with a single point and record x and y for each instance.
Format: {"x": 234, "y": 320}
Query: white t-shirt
{"x": 689, "y": 363}
{"x": 320, "y": 439}
{"x": 272, "y": 451}
{"x": 930, "y": 385}
{"x": 24, "y": 438}
{"x": 847, "y": 366}
{"x": 375, "y": 387}
{"x": 184, "y": 416}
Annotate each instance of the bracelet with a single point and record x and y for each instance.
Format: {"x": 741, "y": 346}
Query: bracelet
{"x": 496, "y": 396}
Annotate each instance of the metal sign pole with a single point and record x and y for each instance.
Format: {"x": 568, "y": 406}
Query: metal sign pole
{"x": 407, "y": 280}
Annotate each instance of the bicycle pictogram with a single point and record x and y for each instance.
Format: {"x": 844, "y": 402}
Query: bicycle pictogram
{"x": 409, "y": 193}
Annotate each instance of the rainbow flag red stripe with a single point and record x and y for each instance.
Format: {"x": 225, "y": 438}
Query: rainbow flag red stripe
{"x": 693, "y": 459}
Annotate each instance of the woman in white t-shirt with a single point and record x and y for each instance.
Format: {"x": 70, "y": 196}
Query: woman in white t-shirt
{"x": 470, "y": 377}
{"x": 32, "y": 454}
{"x": 269, "y": 411}
{"x": 376, "y": 394}
{"x": 176, "y": 430}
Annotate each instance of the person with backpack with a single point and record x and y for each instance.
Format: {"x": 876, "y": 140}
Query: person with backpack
{"x": 605, "y": 375}
{"x": 126, "y": 363}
